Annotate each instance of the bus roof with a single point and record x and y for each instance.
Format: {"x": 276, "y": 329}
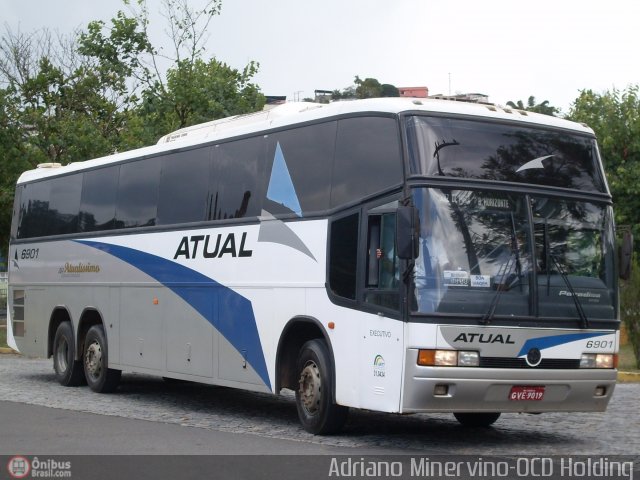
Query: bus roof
{"x": 299, "y": 112}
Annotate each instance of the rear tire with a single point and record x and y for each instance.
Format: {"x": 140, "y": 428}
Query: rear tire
{"x": 100, "y": 378}
{"x": 314, "y": 396}
{"x": 480, "y": 419}
{"x": 68, "y": 370}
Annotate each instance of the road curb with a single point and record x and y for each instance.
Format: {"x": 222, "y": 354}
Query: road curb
{"x": 7, "y": 350}
{"x": 628, "y": 377}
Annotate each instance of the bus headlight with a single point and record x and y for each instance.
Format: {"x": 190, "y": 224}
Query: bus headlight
{"x": 468, "y": 359}
{"x": 598, "y": 360}
{"x": 448, "y": 358}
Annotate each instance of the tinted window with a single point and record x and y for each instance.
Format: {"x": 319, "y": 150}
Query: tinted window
{"x": 367, "y": 160}
{"x": 138, "y": 193}
{"x": 383, "y": 273}
{"x": 300, "y": 169}
{"x": 238, "y": 169}
{"x": 494, "y": 151}
{"x": 64, "y": 204}
{"x": 184, "y": 186}
{"x": 98, "y": 205}
{"x": 34, "y": 210}
{"x": 15, "y": 217}
{"x": 343, "y": 253}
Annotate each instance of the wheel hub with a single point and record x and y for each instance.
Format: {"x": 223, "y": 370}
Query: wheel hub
{"x": 62, "y": 350}
{"x": 310, "y": 386}
{"x": 93, "y": 359}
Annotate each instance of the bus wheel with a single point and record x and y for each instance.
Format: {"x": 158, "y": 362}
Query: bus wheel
{"x": 314, "y": 396}
{"x": 480, "y": 419}
{"x": 100, "y": 378}
{"x": 68, "y": 371}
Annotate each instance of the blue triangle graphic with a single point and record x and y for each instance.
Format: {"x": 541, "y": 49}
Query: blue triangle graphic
{"x": 281, "y": 189}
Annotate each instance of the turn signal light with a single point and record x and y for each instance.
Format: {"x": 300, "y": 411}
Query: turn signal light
{"x": 448, "y": 358}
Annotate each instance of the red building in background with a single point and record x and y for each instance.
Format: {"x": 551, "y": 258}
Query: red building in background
{"x": 420, "y": 92}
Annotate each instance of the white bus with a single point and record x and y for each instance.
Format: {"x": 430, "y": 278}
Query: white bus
{"x": 396, "y": 255}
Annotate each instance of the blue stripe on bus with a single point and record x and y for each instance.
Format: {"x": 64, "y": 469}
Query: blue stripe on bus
{"x": 555, "y": 340}
{"x": 234, "y": 319}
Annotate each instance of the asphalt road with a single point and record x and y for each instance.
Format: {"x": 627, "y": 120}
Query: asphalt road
{"x": 146, "y": 416}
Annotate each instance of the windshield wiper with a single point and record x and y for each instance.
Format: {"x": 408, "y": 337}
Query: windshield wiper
{"x": 507, "y": 266}
{"x": 503, "y": 272}
{"x": 440, "y": 146}
{"x": 576, "y": 300}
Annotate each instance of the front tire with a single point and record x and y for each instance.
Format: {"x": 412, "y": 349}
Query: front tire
{"x": 314, "y": 396}
{"x": 68, "y": 370}
{"x": 100, "y": 378}
{"x": 480, "y": 419}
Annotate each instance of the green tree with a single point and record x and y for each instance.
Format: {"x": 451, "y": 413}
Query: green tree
{"x": 60, "y": 102}
{"x": 198, "y": 92}
{"x": 13, "y": 160}
{"x": 193, "y": 90}
{"x": 53, "y": 108}
{"x": 348, "y": 93}
{"x": 388, "y": 90}
{"x": 615, "y": 118}
{"x": 367, "y": 88}
{"x": 107, "y": 89}
{"x": 532, "y": 106}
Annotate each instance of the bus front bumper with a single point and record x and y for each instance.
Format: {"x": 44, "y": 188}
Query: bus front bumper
{"x": 458, "y": 389}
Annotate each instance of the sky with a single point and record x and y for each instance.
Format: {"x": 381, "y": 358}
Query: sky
{"x": 505, "y": 49}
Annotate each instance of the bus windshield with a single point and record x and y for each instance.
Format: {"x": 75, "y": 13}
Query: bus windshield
{"x": 508, "y": 254}
{"x": 453, "y": 147}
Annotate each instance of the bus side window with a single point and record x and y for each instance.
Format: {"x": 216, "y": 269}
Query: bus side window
{"x": 383, "y": 261}
{"x": 98, "y": 200}
{"x": 34, "y": 210}
{"x": 374, "y": 251}
{"x": 64, "y": 204}
{"x": 389, "y": 273}
{"x": 16, "y": 212}
{"x": 368, "y": 159}
{"x": 137, "y": 200}
{"x": 184, "y": 186}
{"x": 382, "y": 279}
{"x": 237, "y": 175}
{"x": 343, "y": 256}
{"x": 307, "y": 156}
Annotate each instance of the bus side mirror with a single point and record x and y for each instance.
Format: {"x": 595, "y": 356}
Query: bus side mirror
{"x": 407, "y": 232}
{"x": 625, "y": 254}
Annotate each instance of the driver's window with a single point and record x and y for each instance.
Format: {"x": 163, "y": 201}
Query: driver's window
{"x": 382, "y": 276}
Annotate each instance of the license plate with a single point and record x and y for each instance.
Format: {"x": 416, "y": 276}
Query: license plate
{"x": 522, "y": 394}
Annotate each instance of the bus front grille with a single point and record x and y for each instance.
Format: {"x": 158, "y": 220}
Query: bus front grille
{"x": 546, "y": 363}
